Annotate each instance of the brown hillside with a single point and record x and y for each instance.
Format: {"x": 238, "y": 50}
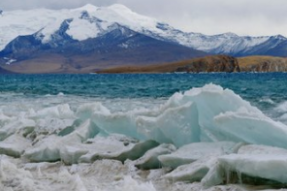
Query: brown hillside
{"x": 219, "y": 63}
{"x": 3, "y": 71}
{"x": 262, "y": 64}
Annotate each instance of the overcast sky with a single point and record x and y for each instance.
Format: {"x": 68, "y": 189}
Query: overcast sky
{"x": 244, "y": 17}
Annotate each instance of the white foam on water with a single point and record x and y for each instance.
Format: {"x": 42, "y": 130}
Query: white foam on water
{"x": 282, "y": 107}
{"x": 267, "y": 100}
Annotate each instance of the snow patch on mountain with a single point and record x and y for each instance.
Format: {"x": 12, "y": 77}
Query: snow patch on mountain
{"x": 91, "y": 21}
{"x": 88, "y": 7}
{"x": 87, "y": 22}
{"x": 9, "y": 61}
{"x": 91, "y": 31}
{"x": 227, "y": 42}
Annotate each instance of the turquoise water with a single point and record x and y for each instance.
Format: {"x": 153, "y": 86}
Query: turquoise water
{"x": 147, "y": 85}
{"x": 251, "y": 86}
{"x": 267, "y": 91}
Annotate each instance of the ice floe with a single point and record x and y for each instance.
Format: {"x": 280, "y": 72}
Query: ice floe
{"x": 150, "y": 159}
{"x": 195, "y": 151}
{"x": 207, "y": 138}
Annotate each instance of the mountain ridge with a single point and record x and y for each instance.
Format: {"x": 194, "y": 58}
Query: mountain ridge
{"x": 98, "y": 19}
{"x": 80, "y": 39}
{"x": 120, "y": 46}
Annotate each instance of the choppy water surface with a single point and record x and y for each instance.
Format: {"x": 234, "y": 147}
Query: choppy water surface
{"x": 248, "y": 85}
{"x": 267, "y": 91}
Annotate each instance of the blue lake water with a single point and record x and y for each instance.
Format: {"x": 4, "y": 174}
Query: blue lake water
{"x": 248, "y": 85}
{"x": 266, "y": 91}
{"x": 251, "y": 86}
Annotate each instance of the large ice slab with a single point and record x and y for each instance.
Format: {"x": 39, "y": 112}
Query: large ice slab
{"x": 168, "y": 124}
{"x": 212, "y": 100}
{"x": 53, "y": 119}
{"x": 49, "y": 149}
{"x": 271, "y": 167}
{"x": 261, "y": 150}
{"x": 150, "y": 158}
{"x": 207, "y": 114}
{"x": 117, "y": 150}
{"x": 256, "y": 163}
{"x": 81, "y": 146}
{"x": 195, "y": 151}
{"x": 178, "y": 125}
{"x": 101, "y": 146}
{"x": 14, "y": 145}
{"x": 192, "y": 172}
{"x": 13, "y": 126}
{"x": 251, "y": 127}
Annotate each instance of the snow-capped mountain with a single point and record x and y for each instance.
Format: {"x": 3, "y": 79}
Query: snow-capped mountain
{"x": 68, "y": 32}
{"x": 91, "y": 21}
{"x": 118, "y": 45}
{"x": 83, "y": 23}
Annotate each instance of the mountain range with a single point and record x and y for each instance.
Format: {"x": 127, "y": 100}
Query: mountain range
{"x": 91, "y": 38}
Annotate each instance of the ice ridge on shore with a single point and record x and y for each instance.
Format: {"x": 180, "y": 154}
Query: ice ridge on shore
{"x": 206, "y": 136}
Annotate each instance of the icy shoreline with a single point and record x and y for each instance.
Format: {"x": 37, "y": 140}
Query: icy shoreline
{"x": 207, "y": 138}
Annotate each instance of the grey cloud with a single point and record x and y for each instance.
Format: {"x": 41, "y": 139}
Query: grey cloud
{"x": 244, "y": 17}
{"x": 51, "y": 4}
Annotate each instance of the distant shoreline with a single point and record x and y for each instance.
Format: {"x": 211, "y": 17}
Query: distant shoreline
{"x": 207, "y": 64}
